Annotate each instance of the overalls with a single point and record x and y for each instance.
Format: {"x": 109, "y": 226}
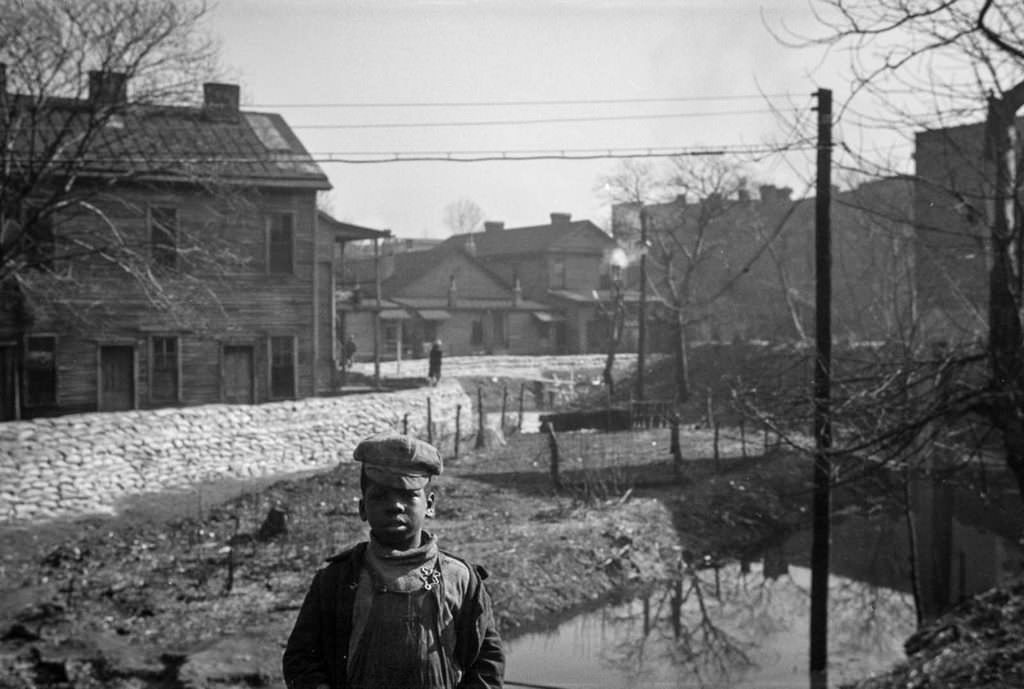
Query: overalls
{"x": 408, "y": 640}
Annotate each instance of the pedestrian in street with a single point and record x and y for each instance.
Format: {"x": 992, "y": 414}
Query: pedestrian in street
{"x": 434, "y": 368}
{"x": 396, "y": 612}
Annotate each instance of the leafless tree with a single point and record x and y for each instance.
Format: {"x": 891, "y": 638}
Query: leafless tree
{"x": 463, "y": 216}
{"x": 922, "y": 65}
{"x": 65, "y": 157}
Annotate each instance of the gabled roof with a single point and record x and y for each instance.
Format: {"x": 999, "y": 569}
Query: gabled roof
{"x": 525, "y": 240}
{"x": 171, "y": 143}
{"x": 411, "y": 266}
{"x": 348, "y": 230}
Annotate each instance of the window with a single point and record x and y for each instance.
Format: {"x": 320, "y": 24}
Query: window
{"x": 498, "y": 317}
{"x": 280, "y": 243}
{"x": 41, "y": 249}
{"x": 557, "y": 277}
{"x": 40, "y": 371}
{"x": 163, "y": 236}
{"x": 476, "y": 337}
{"x": 163, "y": 385}
{"x": 282, "y": 367}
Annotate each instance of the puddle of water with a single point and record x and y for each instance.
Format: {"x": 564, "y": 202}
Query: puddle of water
{"x": 746, "y": 631}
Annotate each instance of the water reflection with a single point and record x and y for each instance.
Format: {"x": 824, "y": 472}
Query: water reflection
{"x": 712, "y": 628}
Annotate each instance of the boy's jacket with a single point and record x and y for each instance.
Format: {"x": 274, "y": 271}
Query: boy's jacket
{"x": 317, "y": 650}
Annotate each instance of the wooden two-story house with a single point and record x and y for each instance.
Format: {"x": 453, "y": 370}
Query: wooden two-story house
{"x": 563, "y": 264}
{"x": 218, "y": 206}
{"x": 443, "y": 294}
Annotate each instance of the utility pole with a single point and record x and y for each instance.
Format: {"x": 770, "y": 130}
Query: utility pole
{"x": 821, "y": 509}
{"x": 641, "y": 333}
{"x": 376, "y": 313}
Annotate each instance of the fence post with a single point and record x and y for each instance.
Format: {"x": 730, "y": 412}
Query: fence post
{"x": 480, "y": 442}
{"x": 522, "y": 405}
{"x": 743, "y": 438}
{"x": 764, "y": 442}
{"x": 504, "y": 406}
{"x": 716, "y": 445}
{"x": 405, "y": 421}
{"x": 430, "y": 422}
{"x": 458, "y": 428}
{"x": 677, "y": 453}
{"x": 549, "y": 429}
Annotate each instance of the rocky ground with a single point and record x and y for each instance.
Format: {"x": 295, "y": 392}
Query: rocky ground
{"x": 203, "y": 596}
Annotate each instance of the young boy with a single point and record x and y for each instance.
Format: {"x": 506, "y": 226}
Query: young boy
{"x": 395, "y": 612}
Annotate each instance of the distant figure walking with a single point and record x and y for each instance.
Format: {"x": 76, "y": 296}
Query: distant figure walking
{"x": 348, "y": 351}
{"x": 434, "y": 372}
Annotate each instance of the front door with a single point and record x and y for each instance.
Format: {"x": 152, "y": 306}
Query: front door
{"x": 8, "y": 382}
{"x": 117, "y": 377}
{"x": 238, "y": 376}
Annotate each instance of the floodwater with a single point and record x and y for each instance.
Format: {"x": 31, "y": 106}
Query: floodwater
{"x": 749, "y": 631}
{"x": 745, "y": 625}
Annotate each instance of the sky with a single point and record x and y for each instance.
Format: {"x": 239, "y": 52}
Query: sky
{"x": 460, "y": 62}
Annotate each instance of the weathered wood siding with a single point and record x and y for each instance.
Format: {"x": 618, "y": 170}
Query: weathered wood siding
{"x": 246, "y": 305}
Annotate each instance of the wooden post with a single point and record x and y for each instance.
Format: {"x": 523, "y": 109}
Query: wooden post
{"x": 504, "y": 406}
{"x": 743, "y": 438}
{"x": 405, "y": 421}
{"x": 480, "y": 441}
{"x": 549, "y": 429}
{"x": 677, "y": 453}
{"x": 430, "y": 422}
{"x": 522, "y": 404}
{"x": 458, "y": 428}
{"x": 716, "y": 445}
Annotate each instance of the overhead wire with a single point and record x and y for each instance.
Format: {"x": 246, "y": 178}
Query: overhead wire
{"x": 517, "y": 103}
{"x": 542, "y": 120}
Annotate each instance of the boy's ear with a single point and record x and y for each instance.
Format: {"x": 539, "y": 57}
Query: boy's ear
{"x": 431, "y": 497}
{"x": 362, "y": 510}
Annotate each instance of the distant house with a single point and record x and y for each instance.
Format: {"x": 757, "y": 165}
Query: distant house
{"x": 563, "y": 263}
{"x": 953, "y": 191}
{"x": 234, "y": 181}
{"x": 754, "y": 278}
{"x": 445, "y": 294}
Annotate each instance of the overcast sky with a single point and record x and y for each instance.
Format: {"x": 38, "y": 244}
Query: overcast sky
{"x": 316, "y": 52}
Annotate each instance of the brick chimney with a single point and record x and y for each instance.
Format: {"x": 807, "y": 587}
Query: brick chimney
{"x": 470, "y": 245}
{"x": 220, "y": 101}
{"x": 453, "y": 293}
{"x": 517, "y": 294}
{"x": 108, "y": 88}
{"x": 561, "y": 219}
{"x": 493, "y": 226}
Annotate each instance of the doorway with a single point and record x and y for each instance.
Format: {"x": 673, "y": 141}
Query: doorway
{"x": 117, "y": 378}
{"x": 238, "y": 374}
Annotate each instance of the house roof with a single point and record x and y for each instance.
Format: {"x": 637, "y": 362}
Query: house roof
{"x": 469, "y": 303}
{"x": 173, "y": 143}
{"x": 410, "y": 266}
{"x": 348, "y": 230}
{"x": 524, "y": 240}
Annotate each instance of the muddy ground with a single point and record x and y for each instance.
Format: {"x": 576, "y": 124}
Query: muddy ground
{"x": 206, "y": 598}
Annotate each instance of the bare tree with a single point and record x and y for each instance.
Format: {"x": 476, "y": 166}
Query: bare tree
{"x": 929, "y": 65}
{"x": 463, "y": 216}
{"x": 69, "y": 144}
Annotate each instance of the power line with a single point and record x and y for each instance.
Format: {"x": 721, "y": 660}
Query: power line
{"x": 497, "y": 103}
{"x": 463, "y": 156}
{"x": 381, "y": 157}
{"x": 544, "y": 120}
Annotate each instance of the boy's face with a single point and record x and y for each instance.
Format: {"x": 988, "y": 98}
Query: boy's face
{"x": 396, "y": 515}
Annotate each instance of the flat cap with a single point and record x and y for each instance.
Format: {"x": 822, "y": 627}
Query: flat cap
{"x": 397, "y": 460}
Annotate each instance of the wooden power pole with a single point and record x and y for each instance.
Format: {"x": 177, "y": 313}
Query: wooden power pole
{"x": 641, "y": 333}
{"x": 822, "y": 397}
